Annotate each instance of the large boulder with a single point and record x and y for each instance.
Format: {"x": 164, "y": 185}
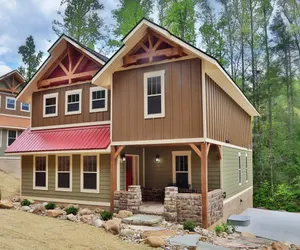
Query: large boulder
{"x": 38, "y": 209}
{"x": 124, "y": 214}
{"x": 54, "y": 213}
{"x": 71, "y": 217}
{"x": 87, "y": 219}
{"x": 97, "y": 222}
{"x": 155, "y": 241}
{"x": 112, "y": 226}
{"x": 85, "y": 211}
{"x": 25, "y": 208}
{"x": 164, "y": 233}
{"x": 279, "y": 246}
{"x": 248, "y": 235}
{"x": 6, "y": 204}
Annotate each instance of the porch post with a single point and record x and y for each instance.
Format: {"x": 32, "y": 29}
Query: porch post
{"x": 113, "y": 182}
{"x": 204, "y": 184}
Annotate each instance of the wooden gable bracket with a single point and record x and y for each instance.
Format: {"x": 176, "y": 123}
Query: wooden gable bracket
{"x": 219, "y": 151}
{"x": 148, "y": 50}
{"x": 196, "y": 149}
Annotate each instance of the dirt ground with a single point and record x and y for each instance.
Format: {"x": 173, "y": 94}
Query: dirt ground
{"x": 20, "y": 230}
{"x": 9, "y": 185}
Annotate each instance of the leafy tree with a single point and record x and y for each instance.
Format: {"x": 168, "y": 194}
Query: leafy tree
{"x": 80, "y": 20}
{"x": 30, "y": 58}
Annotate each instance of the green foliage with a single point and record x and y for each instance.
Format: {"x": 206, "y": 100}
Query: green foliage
{"x": 225, "y": 227}
{"x": 106, "y": 215}
{"x": 189, "y": 225}
{"x": 50, "y": 205}
{"x": 25, "y": 202}
{"x": 72, "y": 210}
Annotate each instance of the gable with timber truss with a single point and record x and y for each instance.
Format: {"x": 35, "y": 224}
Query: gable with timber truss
{"x": 73, "y": 66}
{"x": 11, "y": 82}
{"x": 153, "y": 47}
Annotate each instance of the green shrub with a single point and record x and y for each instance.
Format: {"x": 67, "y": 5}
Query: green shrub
{"x": 50, "y": 205}
{"x": 72, "y": 210}
{"x": 25, "y": 202}
{"x": 189, "y": 225}
{"x": 106, "y": 215}
{"x": 225, "y": 227}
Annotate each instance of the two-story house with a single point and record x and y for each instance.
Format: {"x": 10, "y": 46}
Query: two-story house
{"x": 14, "y": 119}
{"x": 159, "y": 113}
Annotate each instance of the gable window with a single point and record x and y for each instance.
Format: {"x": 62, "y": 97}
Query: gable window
{"x": 247, "y": 177}
{"x": 90, "y": 174}
{"x": 73, "y": 102}
{"x": 182, "y": 176}
{"x": 10, "y": 103}
{"x": 40, "y": 178}
{"x": 63, "y": 173}
{"x": 25, "y": 107}
{"x": 50, "y": 105}
{"x": 154, "y": 94}
{"x": 98, "y": 99}
{"x": 240, "y": 170}
{"x": 11, "y": 136}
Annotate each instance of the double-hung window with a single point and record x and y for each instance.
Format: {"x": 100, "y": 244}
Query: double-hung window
{"x": 73, "y": 102}
{"x": 10, "y": 103}
{"x": 154, "y": 94}
{"x": 50, "y": 105}
{"x": 240, "y": 170}
{"x": 98, "y": 99}
{"x": 182, "y": 175}
{"x": 40, "y": 178}
{"x": 247, "y": 176}
{"x": 25, "y": 107}
{"x": 64, "y": 173}
{"x": 90, "y": 173}
{"x": 11, "y": 136}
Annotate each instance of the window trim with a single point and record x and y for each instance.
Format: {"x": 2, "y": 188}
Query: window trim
{"x": 34, "y": 171}
{"x": 70, "y": 177}
{"x": 46, "y": 96}
{"x": 73, "y": 92}
{"x": 182, "y": 153}
{"x": 82, "y": 190}
{"x": 1, "y": 138}
{"x": 7, "y": 136}
{"x": 12, "y": 98}
{"x": 247, "y": 173}
{"x": 94, "y": 89}
{"x": 147, "y": 75}
{"x": 240, "y": 169}
{"x": 21, "y": 107}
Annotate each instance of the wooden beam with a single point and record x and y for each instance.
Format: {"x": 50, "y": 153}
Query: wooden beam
{"x": 219, "y": 151}
{"x": 63, "y": 68}
{"x": 196, "y": 149}
{"x": 118, "y": 152}
{"x": 113, "y": 177}
{"x": 204, "y": 184}
{"x": 208, "y": 147}
{"x": 77, "y": 64}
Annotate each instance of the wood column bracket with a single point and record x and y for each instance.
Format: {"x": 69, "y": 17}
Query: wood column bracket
{"x": 219, "y": 151}
{"x": 196, "y": 149}
{"x": 118, "y": 152}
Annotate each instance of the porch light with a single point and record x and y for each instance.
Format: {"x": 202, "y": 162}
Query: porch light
{"x": 123, "y": 157}
{"x": 157, "y": 159}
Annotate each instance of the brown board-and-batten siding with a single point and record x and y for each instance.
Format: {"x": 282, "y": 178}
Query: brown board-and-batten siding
{"x": 61, "y": 119}
{"x": 17, "y": 111}
{"x": 226, "y": 120}
{"x": 75, "y": 194}
{"x": 183, "y": 103}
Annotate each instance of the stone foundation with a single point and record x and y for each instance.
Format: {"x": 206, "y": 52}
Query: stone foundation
{"x": 128, "y": 200}
{"x": 215, "y": 206}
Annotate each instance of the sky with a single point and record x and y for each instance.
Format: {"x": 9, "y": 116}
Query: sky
{"x": 21, "y": 18}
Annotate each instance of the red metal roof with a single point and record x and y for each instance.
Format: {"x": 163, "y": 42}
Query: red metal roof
{"x": 66, "y": 139}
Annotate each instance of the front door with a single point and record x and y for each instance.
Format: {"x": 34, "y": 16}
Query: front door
{"x": 129, "y": 171}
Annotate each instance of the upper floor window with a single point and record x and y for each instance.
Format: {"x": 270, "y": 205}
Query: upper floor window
{"x": 98, "y": 99}
{"x": 240, "y": 170}
{"x": 25, "y": 107}
{"x": 10, "y": 103}
{"x": 50, "y": 105}
{"x": 73, "y": 102}
{"x": 11, "y": 136}
{"x": 154, "y": 94}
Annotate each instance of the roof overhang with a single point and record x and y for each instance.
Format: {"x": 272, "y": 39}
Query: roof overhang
{"x": 212, "y": 67}
{"x": 16, "y": 73}
{"x": 54, "y": 53}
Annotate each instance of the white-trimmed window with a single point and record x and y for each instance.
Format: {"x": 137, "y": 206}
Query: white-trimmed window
{"x": 182, "y": 173}
{"x": 240, "y": 170}
{"x": 24, "y": 107}
{"x": 247, "y": 174}
{"x": 154, "y": 94}
{"x": 10, "y": 103}
{"x": 98, "y": 99}
{"x": 50, "y": 105}
{"x": 90, "y": 173}
{"x": 73, "y": 102}
{"x": 11, "y": 136}
{"x": 40, "y": 176}
{"x": 64, "y": 173}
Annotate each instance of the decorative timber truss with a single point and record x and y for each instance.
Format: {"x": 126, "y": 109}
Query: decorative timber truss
{"x": 12, "y": 82}
{"x": 72, "y": 66}
{"x": 152, "y": 48}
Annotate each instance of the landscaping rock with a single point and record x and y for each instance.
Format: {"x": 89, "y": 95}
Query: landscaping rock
{"x": 190, "y": 240}
{"x": 279, "y": 246}
{"x": 248, "y": 235}
{"x": 31, "y": 201}
{"x": 155, "y": 241}
{"x": 127, "y": 232}
{"x": 142, "y": 219}
{"x": 71, "y": 217}
{"x": 85, "y": 211}
{"x": 112, "y": 226}
{"x": 54, "y": 213}
{"x": 87, "y": 219}
{"x": 39, "y": 208}
{"x": 98, "y": 210}
{"x": 97, "y": 222}
{"x": 124, "y": 214}
{"x": 71, "y": 205}
{"x": 16, "y": 199}
{"x": 6, "y": 204}
{"x": 25, "y": 208}
{"x": 165, "y": 233}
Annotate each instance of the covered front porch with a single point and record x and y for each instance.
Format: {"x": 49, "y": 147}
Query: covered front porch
{"x": 191, "y": 172}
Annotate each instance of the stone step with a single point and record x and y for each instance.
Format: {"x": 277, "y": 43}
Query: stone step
{"x": 143, "y": 219}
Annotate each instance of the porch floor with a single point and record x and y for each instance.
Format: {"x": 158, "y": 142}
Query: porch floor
{"x": 152, "y": 207}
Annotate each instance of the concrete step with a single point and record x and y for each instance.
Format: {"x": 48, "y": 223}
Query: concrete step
{"x": 239, "y": 220}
